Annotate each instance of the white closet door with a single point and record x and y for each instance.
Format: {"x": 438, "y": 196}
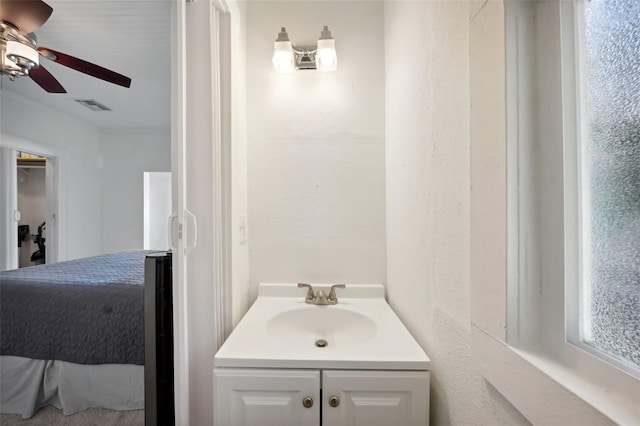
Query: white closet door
{"x": 177, "y": 241}
{"x": 9, "y": 214}
{"x": 206, "y": 264}
{"x": 198, "y": 228}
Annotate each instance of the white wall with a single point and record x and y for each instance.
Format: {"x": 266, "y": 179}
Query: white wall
{"x": 101, "y": 174}
{"x": 126, "y": 155}
{"x": 157, "y": 210}
{"x": 32, "y": 203}
{"x": 428, "y": 201}
{"x": 316, "y": 147}
{"x": 41, "y": 130}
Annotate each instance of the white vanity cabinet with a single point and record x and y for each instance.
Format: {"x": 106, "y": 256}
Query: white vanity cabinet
{"x": 261, "y": 397}
{"x": 375, "y": 398}
{"x": 253, "y": 397}
{"x": 352, "y": 363}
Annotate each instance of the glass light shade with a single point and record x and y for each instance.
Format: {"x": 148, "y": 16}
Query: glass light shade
{"x": 326, "y": 57}
{"x": 283, "y": 56}
{"x": 22, "y": 55}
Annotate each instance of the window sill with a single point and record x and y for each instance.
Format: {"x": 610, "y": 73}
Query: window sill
{"x": 546, "y": 392}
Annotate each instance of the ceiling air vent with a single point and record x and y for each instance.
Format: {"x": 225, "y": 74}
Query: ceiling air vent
{"x": 93, "y": 105}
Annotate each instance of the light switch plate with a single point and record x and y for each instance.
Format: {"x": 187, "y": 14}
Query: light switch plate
{"x": 242, "y": 229}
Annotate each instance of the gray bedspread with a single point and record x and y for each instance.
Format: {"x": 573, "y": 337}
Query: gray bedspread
{"x": 86, "y": 311}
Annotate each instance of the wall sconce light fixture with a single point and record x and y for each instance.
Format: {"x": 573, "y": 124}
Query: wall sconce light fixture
{"x": 287, "y": 58}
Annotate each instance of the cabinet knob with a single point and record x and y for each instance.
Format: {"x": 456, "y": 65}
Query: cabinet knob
{"x": 334, "y": 401}
{"x": 307, "y": 402}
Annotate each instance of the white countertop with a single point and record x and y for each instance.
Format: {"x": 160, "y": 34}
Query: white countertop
{"x": 362, "y": 332}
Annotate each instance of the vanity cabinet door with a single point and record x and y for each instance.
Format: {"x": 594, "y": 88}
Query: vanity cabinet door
{"x": 375, "y": 398}
{"x": 245, "y": 397}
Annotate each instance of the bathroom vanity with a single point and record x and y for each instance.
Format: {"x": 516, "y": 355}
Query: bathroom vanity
{"x": 294, "y": 363}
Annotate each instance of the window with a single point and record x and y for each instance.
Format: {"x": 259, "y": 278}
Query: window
{"x": 608, "y": 47}
{"x": 573, "y": 196}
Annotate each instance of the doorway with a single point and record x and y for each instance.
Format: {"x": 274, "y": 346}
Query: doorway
{"x": 37, "y": 206}
{"x": 32, "y": 205}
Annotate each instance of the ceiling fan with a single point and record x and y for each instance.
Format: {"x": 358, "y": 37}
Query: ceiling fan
{"x": 20, "y": 53}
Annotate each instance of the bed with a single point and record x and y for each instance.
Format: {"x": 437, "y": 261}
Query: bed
{"x": 72, "y": 335}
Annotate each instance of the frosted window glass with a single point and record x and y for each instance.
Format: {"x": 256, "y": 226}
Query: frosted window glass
{"x": 610, "y": 153}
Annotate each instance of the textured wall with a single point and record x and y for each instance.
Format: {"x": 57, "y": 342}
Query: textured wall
{"x": 428, "y": 201}
{"x": 316, "y": 147}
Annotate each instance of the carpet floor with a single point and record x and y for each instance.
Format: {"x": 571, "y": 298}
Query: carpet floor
{"x": 51, "y": 416}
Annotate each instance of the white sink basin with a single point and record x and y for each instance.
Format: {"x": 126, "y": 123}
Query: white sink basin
{"x": 361, "y": 332}
{"x": 336, "y": 326}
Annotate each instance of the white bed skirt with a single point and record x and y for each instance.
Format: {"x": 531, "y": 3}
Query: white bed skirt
{"x": 28, "y": 384}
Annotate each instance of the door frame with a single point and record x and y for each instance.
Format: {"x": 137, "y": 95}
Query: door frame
{"x": 55, "y": 195}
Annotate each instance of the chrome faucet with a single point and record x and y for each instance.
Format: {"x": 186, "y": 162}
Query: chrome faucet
{"x": 320, "y": 297}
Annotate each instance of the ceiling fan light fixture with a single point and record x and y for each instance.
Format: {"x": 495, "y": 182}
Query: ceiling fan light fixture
{"x": 24, "y": 56}
{"x": 20, "y": 53}
{"x": 17, "y": 58}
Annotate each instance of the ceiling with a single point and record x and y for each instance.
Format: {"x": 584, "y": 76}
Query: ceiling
{"x": 129, "y": 37}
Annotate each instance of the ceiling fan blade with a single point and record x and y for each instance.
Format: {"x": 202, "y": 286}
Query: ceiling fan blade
{"x": 85, "y": 67}
{"x": 45, "y": 80}
{"x": 26, "y": 15}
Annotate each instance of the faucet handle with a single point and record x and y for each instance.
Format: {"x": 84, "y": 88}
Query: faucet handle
{"x": 332, "y": 293}
{"x": 310, "y": 295}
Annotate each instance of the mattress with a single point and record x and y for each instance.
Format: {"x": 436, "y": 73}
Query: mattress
{"x": 83, "y": 311}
